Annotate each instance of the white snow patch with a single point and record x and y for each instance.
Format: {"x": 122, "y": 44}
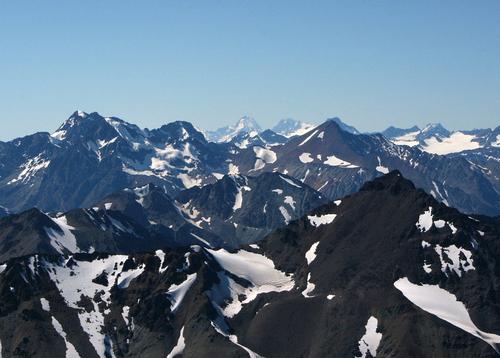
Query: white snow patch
{"x": 255, "y": 268}
{"x": 371, "y": 340}
{"x": 72, "y": 288}
{"x": 264, "y": 156}
{"x": 179, "y": 347}
{"x": 30, "y": 169}
{"x": 289, "y": 181}
{"x": 308, "y": 138}
{"x": 456, "y": 142}
{"x": 452, "y": 228}
{"x": 188, "y": 181}
{"x": 334, "y": 161}
{"x": 306, "y": 158}
{"x": 285, "y": 214}
{"x": 409, "y": 139}
{"x": 439, "y": 224}
{"x": 70, "y": 349}
{"x": 290, "y": 201}
{"x": 317, "y": 221}
{"x": 233, "y": 169}
{"x": 380, "y": 168}
{"x": 311, "y": 253}
{"x": 496, "y": 143}
{"x": 238, "y": 198}
{"x": 176, "y": 293}
{"x": 441, "y": 303}
{"x": 454, "y": 259}
{"x": 425, "y": 220}
{"x": 63, "y": 238}
{"x": 234, "y": 339}
{"x": 125, "y": 277}
{"x": 161, "y": 255}
{"x": 126, "y": 315}
{"x": 322, "y": 186}
{"x": 45, "y": 304}
{"x": 201, "y": 239}
{"x": 309, "y": 288}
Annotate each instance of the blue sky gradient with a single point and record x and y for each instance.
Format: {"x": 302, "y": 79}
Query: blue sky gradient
{"x": 372, "y": 63}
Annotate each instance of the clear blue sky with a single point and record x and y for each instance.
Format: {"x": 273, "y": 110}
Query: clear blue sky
{"x": 373, "y": 63}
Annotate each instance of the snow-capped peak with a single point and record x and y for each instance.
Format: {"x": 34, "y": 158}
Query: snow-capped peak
{"x": 71, "y": 122}
{"x": 226, "y": 134}
{"x": 289, "y": 127}
{"x": 247, "y": 124}
{"x": 435, "y": 129}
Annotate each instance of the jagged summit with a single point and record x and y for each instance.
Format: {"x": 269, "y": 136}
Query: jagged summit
{"x": 82, "y": 126}
{"x": 177, "y": 131}
{"x": 393, "y": 181}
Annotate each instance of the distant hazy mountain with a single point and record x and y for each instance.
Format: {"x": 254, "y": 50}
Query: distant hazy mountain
{"x": 344, "y": 126}
{"x": 227, "y": 133}
{"x": 434, "y": 138}
{"x": 292, "y": 127}
{"x": 394, "y": 132}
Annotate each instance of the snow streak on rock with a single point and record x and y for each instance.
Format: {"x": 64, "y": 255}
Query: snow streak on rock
{"x": 442, "y": 304}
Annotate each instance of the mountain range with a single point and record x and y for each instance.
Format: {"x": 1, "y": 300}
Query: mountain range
{"x": 436, "y": 139}
{"x": 90, "y": 157}
{"x": 296, "y": 241}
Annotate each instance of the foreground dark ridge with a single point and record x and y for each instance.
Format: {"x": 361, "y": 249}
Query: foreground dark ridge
{"x": 386, "y": 271}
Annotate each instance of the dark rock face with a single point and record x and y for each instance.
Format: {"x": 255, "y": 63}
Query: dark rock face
{"x": 234, "y": 211}
{"x": 242, "y": 210}
{"x": 387, "y": 271}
